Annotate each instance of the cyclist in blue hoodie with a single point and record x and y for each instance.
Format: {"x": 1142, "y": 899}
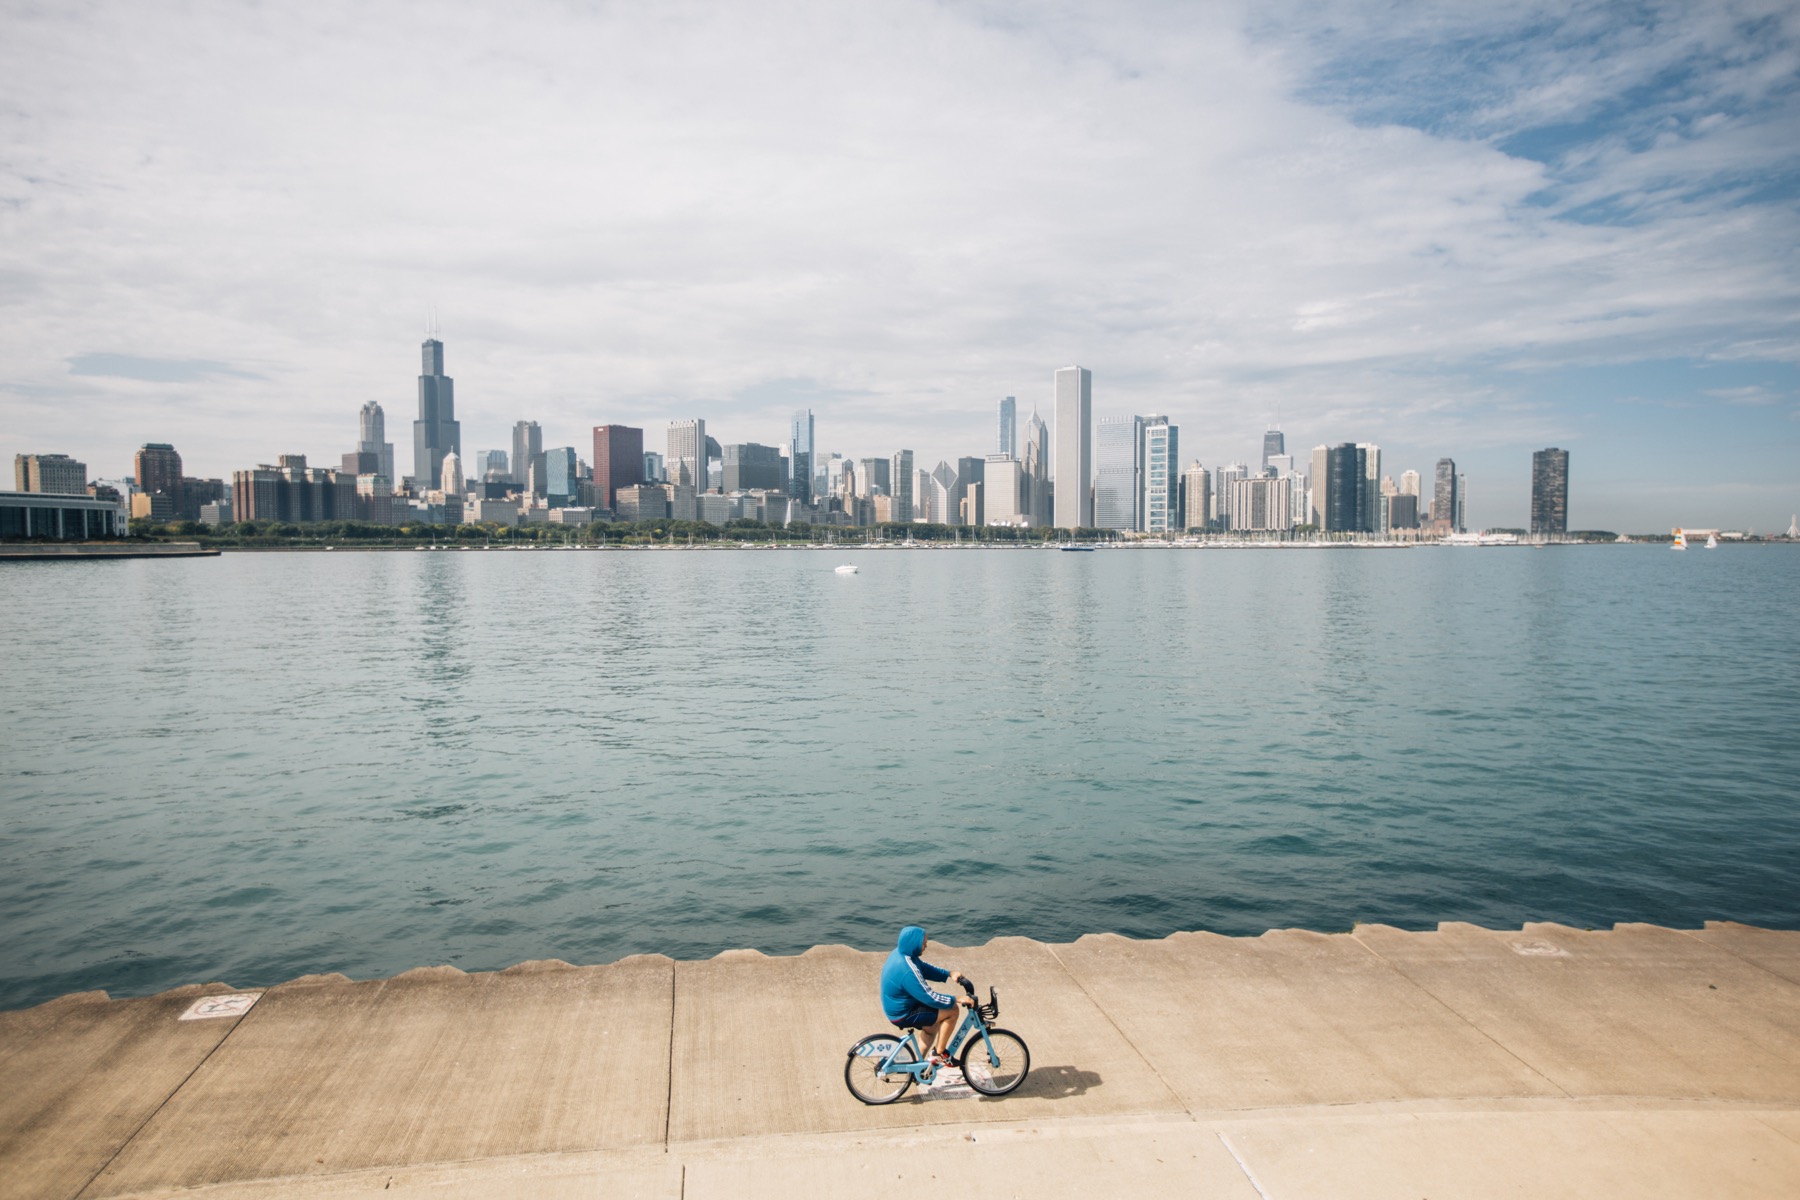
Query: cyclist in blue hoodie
{"x": 908, "y": 998}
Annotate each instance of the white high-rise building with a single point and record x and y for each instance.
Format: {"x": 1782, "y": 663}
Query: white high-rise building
{"x": 1073, "y": 470}
{"x": 1196, "y": 483}
{"x": 1035, "y": 473}
{"x": 1409, "y": 483}
{"x": 1224, "y": 496}
{"x": 685, "y": 467}
{"x": 451, "y": 480}
{"x": 1002, "y": 491}
{"x": 1158, "y": 512}
{"x": 527, "y": 451}
{"x": 1118, "y": 473}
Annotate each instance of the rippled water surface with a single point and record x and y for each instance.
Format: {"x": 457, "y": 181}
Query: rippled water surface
{"x": 256, "y": 766}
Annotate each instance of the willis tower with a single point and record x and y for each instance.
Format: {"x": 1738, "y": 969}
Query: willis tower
{"x": 436, "y": 432}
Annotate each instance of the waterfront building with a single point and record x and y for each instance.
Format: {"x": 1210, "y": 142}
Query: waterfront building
{"x": 293, "y": 492}
{"x": 885, "y": 510}
{"x": 1273, "y": 444}
{"x": 375, "y": 500}
{"x": 1224, "y": 494}
{"x": 653, "y": 468}
{"x": 902, "y": 476}
{"x": 1462, "y": 503}
{"x": 801, "y": 456}
{"x": 828, "y": 475}
{"x": 618, "y": 461}
{"x": 1073, "y": 470}
{"x": 1159, "y": 511}
{"x": 747, "y": 465}
{"x": 686, "y": 466}
{"x": 1372, "y": 511}
{"x": 642, "y": 502}
{"x": 482, "y": 511}
{"x": 1001, "y": 491}
{"x": 562, "y": 476}
{"x": 50, "y": 474}
{"x": 371, "y": 438}
{"x": 437, "y": 432}
{"x": 1261, "y": 504}
{"x": 157, "y": 468}
{"x": 872, "y": 477}
{"x": 527, "y": 452}
{"x": 216, "y": 514}
{"x": 1196, "y": 491}
{"x": 970, "y": 471}
{"x": 1118, "y": 473}
{"x": 1403, "y": 511}
{"x": 945, "y": 494}
{"x": 63, "y": 516}
{"x": 1036, "y": 497}
{"x": 1009, "y": 436}
{"x": 1443, "y": 497}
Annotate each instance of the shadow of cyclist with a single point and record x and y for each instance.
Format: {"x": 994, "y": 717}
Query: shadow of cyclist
{"x": 1056, "y": 1083}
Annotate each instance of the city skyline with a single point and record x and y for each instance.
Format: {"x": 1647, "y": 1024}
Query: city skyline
{"x": 1452, "y": 231}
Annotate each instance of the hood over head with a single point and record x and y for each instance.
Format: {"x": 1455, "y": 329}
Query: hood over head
{"x": 912, "y": 940}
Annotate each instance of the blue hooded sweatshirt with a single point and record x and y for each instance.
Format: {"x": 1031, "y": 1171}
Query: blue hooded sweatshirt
{"x": 903, "y": 978}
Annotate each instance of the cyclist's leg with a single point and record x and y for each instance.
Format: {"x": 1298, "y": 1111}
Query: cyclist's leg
{"x": 941, "y": 1031}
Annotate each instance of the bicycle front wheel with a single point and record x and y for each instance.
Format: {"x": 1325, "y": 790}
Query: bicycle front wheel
{"x": 996, "y": 1064}
{"x": 863, "y": 1074}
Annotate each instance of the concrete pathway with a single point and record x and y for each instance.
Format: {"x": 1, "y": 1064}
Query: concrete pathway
{"x": 1464, "y": 1062}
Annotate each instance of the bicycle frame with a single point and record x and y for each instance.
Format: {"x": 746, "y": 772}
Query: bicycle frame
{"x": 921, "y": 1068}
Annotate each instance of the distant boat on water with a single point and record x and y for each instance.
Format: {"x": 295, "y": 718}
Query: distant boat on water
{"x": 1712, "y": 541}
{"x": 846, "y": 569}
{"x": 1680, "y": 541}
{"x": 1077, "y": 549}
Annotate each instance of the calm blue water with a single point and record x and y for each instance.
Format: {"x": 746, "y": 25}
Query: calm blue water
{"x": 253, "y": 767}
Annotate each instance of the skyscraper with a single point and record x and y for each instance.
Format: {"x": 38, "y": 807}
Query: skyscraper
{"x": 1034, "y": 472}
{"x": 1118, "y": 472}
{"x": 527, "y": 452}
{"x": 618, "y": 461}
{"x": 53, "y": 474}
{"x": 1225, "y": 494}
{"x": 800, "y": 456}
{"x": 902, "y": 477}
{"x": 747, "y": 465}
{"x": 1273, "y": 444}
{"x": 1409, "y": 483}
{"x": 437, "y": 431}
{"x": 450, "y": 474}
{"x": 1074, "y": 467}
{"x": 158, "y": 469}
{"x": 1370, "y": 509}
{"x": 872, "y": 477}
{"x": 1443, "y": 496}
{"x": 562, "y": 476}
{"x": 1009, "y": 436}
{"x": 685, "y": 466}
{"x": 372, "y": 439}
{"x": 1159, "y": 510}
{"x": 1196, "y": 488}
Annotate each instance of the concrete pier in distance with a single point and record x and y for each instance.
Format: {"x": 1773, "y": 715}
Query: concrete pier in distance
{"x": 1465, "y": 1062}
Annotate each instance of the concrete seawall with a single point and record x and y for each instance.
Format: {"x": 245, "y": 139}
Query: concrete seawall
{"x": 1547, "y": 1061}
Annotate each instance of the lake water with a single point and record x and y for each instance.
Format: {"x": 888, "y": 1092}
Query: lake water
{"x": 252, "y": 767}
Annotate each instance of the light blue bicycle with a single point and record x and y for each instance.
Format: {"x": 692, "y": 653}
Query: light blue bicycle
{"x": 994, "y": 1061}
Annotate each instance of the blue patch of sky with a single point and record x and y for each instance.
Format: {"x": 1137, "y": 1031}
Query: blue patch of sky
{"x": 153, "y": 370}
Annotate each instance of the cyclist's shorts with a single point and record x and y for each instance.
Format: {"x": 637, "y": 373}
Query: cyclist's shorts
{"x": 918, "y": 1018}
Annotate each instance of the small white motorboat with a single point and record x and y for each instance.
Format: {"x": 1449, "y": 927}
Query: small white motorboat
{"x": 846, "y": 569}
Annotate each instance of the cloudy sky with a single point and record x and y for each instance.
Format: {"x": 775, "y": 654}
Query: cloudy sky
{"x": 1459, "y": 229}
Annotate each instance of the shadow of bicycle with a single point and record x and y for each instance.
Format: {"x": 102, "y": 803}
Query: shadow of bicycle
{"x": 1057, "y": 1083}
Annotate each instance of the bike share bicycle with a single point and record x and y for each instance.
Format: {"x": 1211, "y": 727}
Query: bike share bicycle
{"x": 994, "y": 1061}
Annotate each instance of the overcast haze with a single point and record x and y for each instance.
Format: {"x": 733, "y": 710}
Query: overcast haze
{"x": 1466, "y": 230}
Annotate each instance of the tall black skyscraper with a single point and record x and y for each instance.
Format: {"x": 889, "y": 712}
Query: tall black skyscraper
{"x": 1444, "y": 494}
{"x": 1550, "y": 492}
{"x": 1274, "y": 444}
{"x": 1345, "y": 505}
{"x": 437, "y": 431}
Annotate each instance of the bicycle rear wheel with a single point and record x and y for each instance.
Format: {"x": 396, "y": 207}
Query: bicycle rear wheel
{"x": 997, "y": 1064}
{"x": 862, "y": 1069}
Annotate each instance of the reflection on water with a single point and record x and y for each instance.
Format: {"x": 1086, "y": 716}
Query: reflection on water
{"x": 266, "y": 764}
